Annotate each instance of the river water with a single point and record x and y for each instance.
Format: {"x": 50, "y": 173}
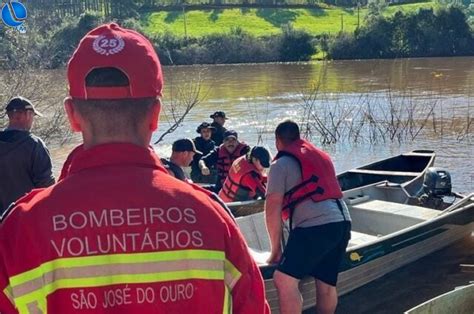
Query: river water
{"x": 256, "y": 96}
{"x": 434, "y": 93}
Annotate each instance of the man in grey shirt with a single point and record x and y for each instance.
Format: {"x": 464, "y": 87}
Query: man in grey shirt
{"x": 25, "y": 162}
{"x": 302, "y": 187}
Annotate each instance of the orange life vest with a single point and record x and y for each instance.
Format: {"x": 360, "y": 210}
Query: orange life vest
{"x": 225, "y": 160}
{"x": 232, "y": 189}
{"x": 318, "y": 176}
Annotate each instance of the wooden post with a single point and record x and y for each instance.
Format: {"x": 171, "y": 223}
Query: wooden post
{"x": 342, "y": 22}
{"x": 358, "y": 15}
{"x": 185, "y": 27}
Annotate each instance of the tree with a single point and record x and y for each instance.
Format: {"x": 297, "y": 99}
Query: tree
{"x": 296, "y": 45}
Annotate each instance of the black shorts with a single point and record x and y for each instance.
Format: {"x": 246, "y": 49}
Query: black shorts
{"x": 316, "y": 251}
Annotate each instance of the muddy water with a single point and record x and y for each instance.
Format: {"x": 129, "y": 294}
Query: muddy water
{"x": 255, "y": 97}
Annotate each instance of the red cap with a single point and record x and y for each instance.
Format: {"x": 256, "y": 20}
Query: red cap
{"x": 110, "y": 45}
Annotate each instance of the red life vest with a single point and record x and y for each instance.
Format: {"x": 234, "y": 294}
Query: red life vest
{"x": 318, "y": 176}
{"x": 225, "y": 160}
{"x": 233, "y": 189}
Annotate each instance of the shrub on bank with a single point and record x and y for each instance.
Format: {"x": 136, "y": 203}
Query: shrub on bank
{"x": 52, "y": 46}
{"x": 60, "y": 46}
{"x": 422, "y": 34}
{"x": 237, "y": 46}
{"x": 295, "y": 45}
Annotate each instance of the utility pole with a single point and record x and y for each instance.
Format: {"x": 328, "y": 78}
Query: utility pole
{"x": 342, "y": 22}
{"x": 358, "y": 14}
{"x": 184, "y": 18}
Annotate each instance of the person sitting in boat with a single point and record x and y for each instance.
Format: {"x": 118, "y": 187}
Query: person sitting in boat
{"x": 222, "y": 157}
{"x": 182, "y": 154}
{"x": 204, "y": 144}
{"x": 302, "y": 187}
{"x": 218, "y": 122}
{"x": 246, "y": 179}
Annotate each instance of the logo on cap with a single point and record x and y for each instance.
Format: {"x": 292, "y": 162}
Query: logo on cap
{"x": 108, "y": 46}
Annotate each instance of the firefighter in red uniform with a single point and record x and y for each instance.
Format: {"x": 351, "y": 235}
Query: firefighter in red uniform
{"x": 117, "y": 234}
{"x": 246, "y": 179}
{"x": 223, "y": 156}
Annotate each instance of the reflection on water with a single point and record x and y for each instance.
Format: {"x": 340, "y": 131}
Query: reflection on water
{"x": 257, "y": 96}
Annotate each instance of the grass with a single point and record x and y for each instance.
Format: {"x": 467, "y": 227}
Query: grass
{"x": 261, "y": 22}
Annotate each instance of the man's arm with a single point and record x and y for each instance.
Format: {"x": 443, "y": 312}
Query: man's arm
{"x": 207, "y": 161}
{"x": 41, "y": 168}
{"x": 276, "y": 188}
{"x": 273, "y": 204}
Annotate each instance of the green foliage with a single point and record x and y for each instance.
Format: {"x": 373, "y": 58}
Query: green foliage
{"x": 134, "y": 24}
{"x": 236, "y": 46}
{"x": 296, "y": 45}
{"x": 375, "y": 8}
{"x": 125, "y": 9}
{"x": 421, "y": 34}
{"x": 67, "y": 37}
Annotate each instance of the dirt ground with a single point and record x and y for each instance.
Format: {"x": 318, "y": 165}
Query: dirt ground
{"x": 413, "y": 284}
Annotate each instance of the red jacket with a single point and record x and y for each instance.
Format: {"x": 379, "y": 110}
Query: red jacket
{"x": 119, "y": 235}
{"x": 318, "y": 176}
{"x": 243, "y": 183}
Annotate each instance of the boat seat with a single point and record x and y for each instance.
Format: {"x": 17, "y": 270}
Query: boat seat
{"x": 397, "y": 209}
{"x": 385, "y": 172}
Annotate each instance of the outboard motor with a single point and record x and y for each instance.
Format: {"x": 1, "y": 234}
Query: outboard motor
{"x": 437, "y": 182}
{"x": 436, "y": 185}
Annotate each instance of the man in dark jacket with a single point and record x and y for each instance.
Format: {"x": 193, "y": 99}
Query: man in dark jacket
{"x": 182, "y": 154}
{"x": 205, "y": 145}
{"x": 25, "y": 162}
{"x": 218, "y": 124}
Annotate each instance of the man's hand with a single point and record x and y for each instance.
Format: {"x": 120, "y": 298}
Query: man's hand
{"x": 273, "y": 205}
{"x": 275, "y": 257}
{"x": 205, "y": 171}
